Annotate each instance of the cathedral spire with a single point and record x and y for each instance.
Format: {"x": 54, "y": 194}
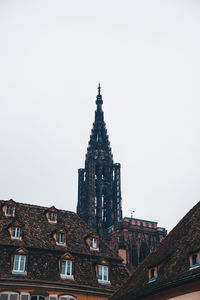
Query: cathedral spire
{"x": 99, "y": 193}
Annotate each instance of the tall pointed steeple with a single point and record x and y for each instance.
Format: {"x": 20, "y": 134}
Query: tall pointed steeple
{"x": 99, "y": 187}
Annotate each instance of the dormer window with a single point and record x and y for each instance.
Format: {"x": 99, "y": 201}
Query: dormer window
{"x": 195, "y": 260}
{"x": 60, "y": 239}
{"x": 153, "y": 273}
{"x": 15, "y": 230}
{"x": 15, "y": 233}
{"x": 94, "y": 244}
{"x": 92, "y": 241}
{"x": 66, "y": 264}
{"x": 19, "y": 263}
{"x": 9, "y": 210}
{"x": 66, "y": 269}
{"x": 103, "y": 274}
{"x": 51, "y": 215}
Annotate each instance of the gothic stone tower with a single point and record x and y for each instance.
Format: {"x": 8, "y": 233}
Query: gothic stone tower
{"x": 99, "y": 189}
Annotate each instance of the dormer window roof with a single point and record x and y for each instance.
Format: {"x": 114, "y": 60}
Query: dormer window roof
{"x": 51, "y": 215}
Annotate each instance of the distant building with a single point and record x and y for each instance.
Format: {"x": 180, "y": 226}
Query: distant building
{"x": 133, "y": 239}
{"x": 99, "y": 199}
{"x": 52, "y": 254}
{"x": 172, "y": 270}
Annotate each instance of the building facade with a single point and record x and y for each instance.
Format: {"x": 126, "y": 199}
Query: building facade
{"x": 133, "y": 239}
{"x": 99, "y": 199}
{"x": 52, "y": 254}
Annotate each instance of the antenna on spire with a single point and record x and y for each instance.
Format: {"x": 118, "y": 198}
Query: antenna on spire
{"x": 99, "y": 89}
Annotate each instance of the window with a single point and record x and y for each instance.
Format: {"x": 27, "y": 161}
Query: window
{"x": 9, "y": 210}
{"x": 9, "y": 296}
{"x": 194, "y": 260}
{"x": 37, "y": 297}
{"x": 67, "y": 297}
{"x": 152, "y": 274}
{"x": 19, "y": 264}
{"x": 52, "y": 217}
{"x": 53, "y": 297}
{"x": 15, "y": 233}
{"x": 60, "y": 238}
{"x": 25, "y": 296}
{"x": 94, "y": 244}
{"x": 103, "y": 274}
{"x": 66, "y": 269}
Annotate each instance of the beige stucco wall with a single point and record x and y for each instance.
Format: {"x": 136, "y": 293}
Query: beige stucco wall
{"x": 190, "y": 296}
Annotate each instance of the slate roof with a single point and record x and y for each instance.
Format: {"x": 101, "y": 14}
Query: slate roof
{"x": 43, "y": 253}
{"x": 172, "y": 257}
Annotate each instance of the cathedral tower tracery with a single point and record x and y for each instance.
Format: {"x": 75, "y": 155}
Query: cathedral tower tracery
{"x": 99, "y": 187}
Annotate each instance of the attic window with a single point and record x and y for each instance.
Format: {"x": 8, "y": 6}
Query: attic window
{"x": 103, "y": 274}
{"x": 15, "y": 233}
{"x": 60, "y": 238}
{"x": 195, "y": 260}
{"x": 94, "y": 244}
{"x": 52, "y": 217}
{"x": 19, "y": 264}
{"x": 66, "y": 269}
{"x": 153, "y": 274}
{"x": 9, "y": 211}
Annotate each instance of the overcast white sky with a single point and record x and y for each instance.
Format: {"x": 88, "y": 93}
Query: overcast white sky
{"x": 146, "y": 55}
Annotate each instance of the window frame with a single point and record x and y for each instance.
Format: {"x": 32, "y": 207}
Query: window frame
{"x": 58, "y": 239}
{"x": 69, "y": 297}
{"x": 38, "y": 296}
{"x": 94, "y": 245}
{"x": 103, "y": 273}
{"x": 9, "y": 293}
{"x": 155, "y": 273}
{"x": 197, "y": 264}
{"x": 15, "y": 237}
{"x": 18, "y": 271}
{"x": 9, "y": 213}
{"x": 64, "y": 275}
